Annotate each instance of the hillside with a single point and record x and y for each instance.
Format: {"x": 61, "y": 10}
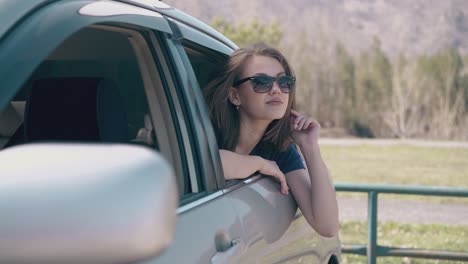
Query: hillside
{"x": 411, "y": 27}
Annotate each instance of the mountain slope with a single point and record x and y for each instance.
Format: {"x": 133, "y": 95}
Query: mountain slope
{"x": 410, "y": 27}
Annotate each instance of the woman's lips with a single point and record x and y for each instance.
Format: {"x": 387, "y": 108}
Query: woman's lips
{"x": 275, "y": 101}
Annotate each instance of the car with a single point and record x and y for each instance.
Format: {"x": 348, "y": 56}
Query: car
{"x": 107, "y": 152}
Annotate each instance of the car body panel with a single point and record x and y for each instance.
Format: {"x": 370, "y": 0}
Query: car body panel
{"x": 196, "y": 231}
{"x": 275, "y": 231}
{"x": 265, "y": 212}
{"x": 11, "y": 12}
{"x": 185, "y": 19}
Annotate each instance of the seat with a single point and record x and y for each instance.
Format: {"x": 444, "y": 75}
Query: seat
{"x": 75, "y": 109}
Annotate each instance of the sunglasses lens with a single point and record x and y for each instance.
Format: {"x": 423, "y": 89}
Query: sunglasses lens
{"x": 262, "y": 84}
{"x": 286, "y": 83}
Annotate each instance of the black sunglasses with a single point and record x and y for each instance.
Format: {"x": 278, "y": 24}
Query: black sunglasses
{"x": 264, "y": 83}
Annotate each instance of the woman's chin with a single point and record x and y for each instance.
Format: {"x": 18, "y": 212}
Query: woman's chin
{"x": 275, "y": 116}
{"x": 278, "y": 114}
{"x": 270, "y": 115}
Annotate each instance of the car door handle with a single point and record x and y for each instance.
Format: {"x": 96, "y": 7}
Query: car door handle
{"x": 230, "y": 254}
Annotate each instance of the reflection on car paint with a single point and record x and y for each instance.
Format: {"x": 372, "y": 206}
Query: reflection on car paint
{"x": 153, "y": 3}
{"x": 114, "y": 9}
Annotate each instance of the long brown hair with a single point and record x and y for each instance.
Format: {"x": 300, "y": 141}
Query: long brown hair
{"x": 224, "y": 115}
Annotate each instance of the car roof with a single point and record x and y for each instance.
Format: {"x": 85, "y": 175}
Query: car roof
{"x": 12, "y": 12}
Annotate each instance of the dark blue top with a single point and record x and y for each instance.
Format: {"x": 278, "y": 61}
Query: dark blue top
{"x": 287, "y": 161}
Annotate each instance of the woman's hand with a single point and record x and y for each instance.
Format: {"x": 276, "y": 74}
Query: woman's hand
{"x": 270, "y": 168}
{"x": 305, "y": 130}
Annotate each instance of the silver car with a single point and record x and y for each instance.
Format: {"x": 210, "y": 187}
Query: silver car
{"x": 107, "y": 153}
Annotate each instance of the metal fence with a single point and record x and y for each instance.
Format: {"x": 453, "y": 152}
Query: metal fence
{"x": 372, "y": 250}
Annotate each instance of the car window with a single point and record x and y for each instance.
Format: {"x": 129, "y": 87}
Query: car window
{"x": 98, "y": 86}
{"x": 206, "y": 63}
{"x": 202, "y": 157}
{"x": 84, "y": 60}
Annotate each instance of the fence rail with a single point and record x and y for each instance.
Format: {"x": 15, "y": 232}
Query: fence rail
{"x": 372, "y": 250}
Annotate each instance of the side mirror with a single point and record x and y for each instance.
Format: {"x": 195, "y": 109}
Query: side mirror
{"x": 79, "y": 203}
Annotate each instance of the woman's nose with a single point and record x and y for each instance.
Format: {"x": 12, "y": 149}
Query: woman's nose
{"x": 275, "y": 88}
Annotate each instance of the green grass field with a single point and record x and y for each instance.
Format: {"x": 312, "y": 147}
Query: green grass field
{"x": 399, "y": 164}
{"x": 441, "y": 237}
{"x": 407, "y": 165}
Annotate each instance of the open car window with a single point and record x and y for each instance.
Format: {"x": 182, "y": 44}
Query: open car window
{"x": 88, "y": 89}
{"x": 97, "y": 86}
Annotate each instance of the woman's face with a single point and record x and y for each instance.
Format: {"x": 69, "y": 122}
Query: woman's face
{"x": 260, "y": 106}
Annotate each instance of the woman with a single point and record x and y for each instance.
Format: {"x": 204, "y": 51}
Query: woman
{"x": 250, "y": 105}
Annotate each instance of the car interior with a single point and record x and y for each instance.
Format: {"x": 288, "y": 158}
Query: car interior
{"x": 89, "y": 89}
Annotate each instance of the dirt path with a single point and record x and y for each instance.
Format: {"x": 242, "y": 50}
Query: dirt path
{"x": 403, "y": 211}
{"x": 384, "y": 142}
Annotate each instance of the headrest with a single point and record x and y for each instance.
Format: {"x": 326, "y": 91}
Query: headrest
{"x": 75, "y": 109}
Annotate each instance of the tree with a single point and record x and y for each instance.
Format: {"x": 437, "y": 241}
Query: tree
{"x": 429, "y": 97}
{"x": 405, "y": 116}
{"x": 245, "y": 34}
{"x": 373, "y": 87}
{"x": 346, "y": 90}
{"x": 441, "y": 78}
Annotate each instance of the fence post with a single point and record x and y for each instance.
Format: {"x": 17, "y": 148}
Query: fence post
{"x": 372, "y": 231}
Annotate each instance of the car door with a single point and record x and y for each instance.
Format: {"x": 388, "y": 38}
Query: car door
{"x": 274, "y": 230}
{"x": 129, "y": 45}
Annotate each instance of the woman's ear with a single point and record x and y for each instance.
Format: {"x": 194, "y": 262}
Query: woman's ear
{"x": 233, "y": 95}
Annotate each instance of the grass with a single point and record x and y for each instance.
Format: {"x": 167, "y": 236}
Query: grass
{"x": 433, "y": 236}
{"x": 399, "y": 164}
{"x": 441, "y": 237}
{"x": 406, "y": 165}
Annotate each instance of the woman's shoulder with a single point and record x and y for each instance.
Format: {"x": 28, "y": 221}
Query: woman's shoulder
{"x": 290, "y": 159}
{"x": 291, "y": 151}
{"x": 291, "y": 147}
{"x": 267, "y": 148}
{"x": 287, "y": 159}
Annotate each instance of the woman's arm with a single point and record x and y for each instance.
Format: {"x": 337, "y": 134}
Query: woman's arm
{"x": 312, "y": 188}
{"x": 315, "y": 194}
{"x": 237, "y": 166}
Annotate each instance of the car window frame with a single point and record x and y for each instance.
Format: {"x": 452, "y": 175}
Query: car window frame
{"x": 207, "y": 158}
{"x": 190, "y": 37}
{"x": 181, "y": 92}
{"x": 176, "y": 108}
{"x": 202, "y": 110}
{"x": 160, "y": 104}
